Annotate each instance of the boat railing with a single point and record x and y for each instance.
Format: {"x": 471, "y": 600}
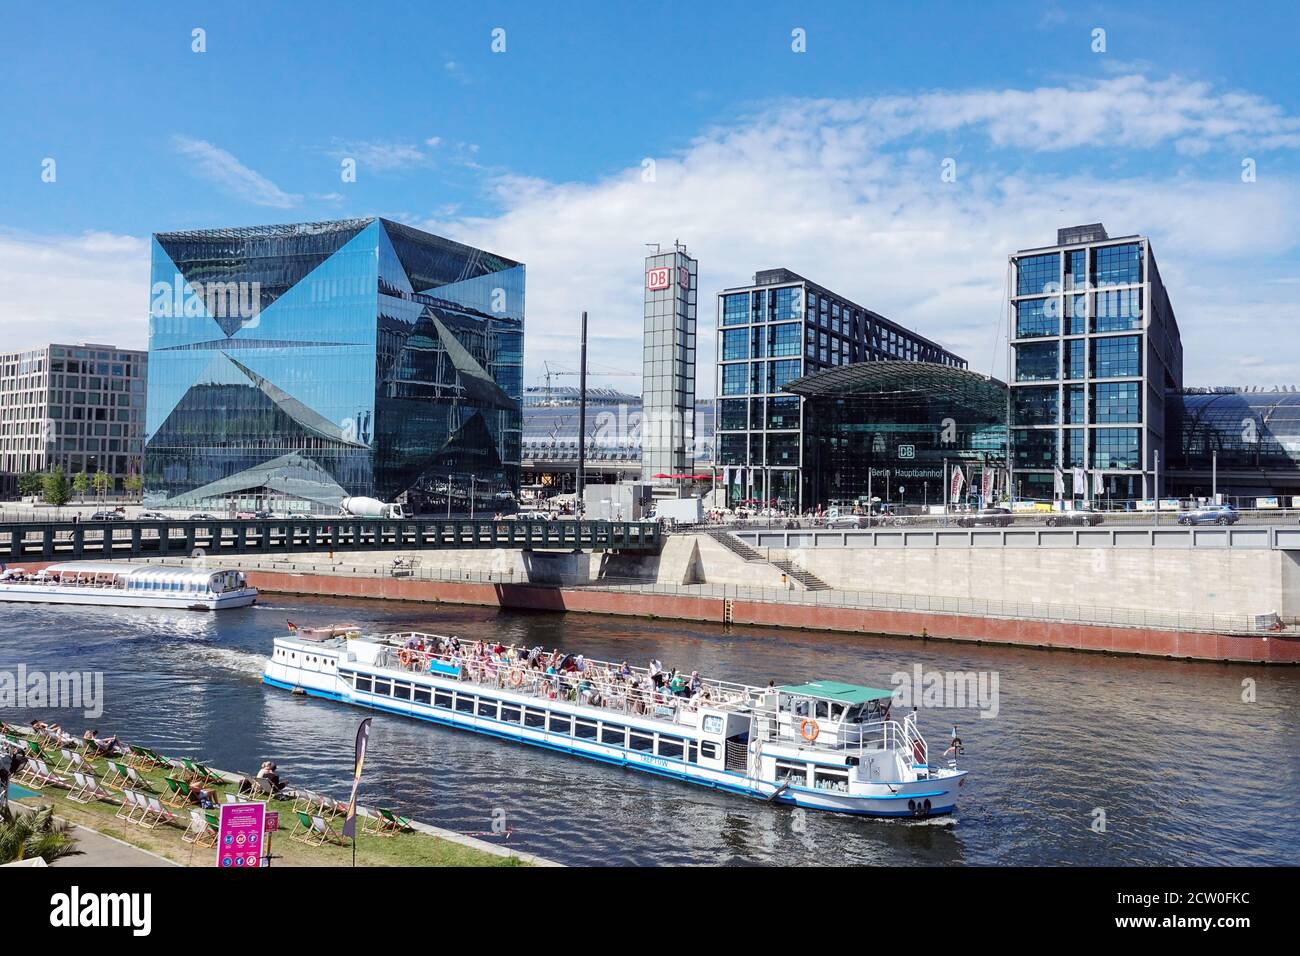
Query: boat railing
{"x": 596, "y": 686}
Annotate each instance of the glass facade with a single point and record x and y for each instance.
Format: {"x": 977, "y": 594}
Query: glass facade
{"x": 295, "y": 365}
{"x": 771, "y": 334}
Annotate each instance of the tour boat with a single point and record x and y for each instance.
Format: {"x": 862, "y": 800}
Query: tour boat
{"x": 124, "y": 584}
{"x": 821, "y": 745}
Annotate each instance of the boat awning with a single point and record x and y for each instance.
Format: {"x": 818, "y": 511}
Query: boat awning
{"x": 834, "y": 690}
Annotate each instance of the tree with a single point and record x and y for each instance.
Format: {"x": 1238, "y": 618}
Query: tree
{"x": 80, "y": 484}
{"x": 133, "y": 485}
{"x": 29, "y": 483}
{"x": 54, "y": 487}
{"x": 102, "y": 482}
{"x": 25, "y": 836}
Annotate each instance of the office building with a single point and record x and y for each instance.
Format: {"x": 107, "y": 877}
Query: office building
{"x": 76, "y": 407}
{"x": 1095, "y": 348}
{"x": 779, "y": 329}
{"x": 294, "y": 365}
{"x": 668, "y": 364}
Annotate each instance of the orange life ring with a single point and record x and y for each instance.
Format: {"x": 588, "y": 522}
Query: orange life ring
{"x": 516, "y": 677}
{"x": 404, "y": 658}
{"x": 809, "y": 730}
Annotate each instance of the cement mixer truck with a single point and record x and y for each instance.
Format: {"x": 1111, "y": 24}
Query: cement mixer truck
{"x": 370, "y": 508}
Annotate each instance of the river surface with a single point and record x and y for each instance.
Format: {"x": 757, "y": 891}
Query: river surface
{"x": 1090, "y": 760}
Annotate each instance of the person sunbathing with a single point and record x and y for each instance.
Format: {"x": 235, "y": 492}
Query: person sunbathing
{"x": 105, "y": 747}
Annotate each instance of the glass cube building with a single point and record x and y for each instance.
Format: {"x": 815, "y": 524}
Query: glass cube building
{"x": 779, "y": 329}
{"x": 294, "y": 365}
{"x": 1095, "y": 347}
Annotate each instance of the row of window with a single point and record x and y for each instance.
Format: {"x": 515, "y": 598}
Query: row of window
{"x": 1115, "y": 310}
{"x": 1117, "y": 356}
{"x": 756, "y": 378}
{"x": 1112, "y": 448}
{"x": 1111, "y": 265}
{"x": 606, "y": 732}
{"x": 1111, "y": 403}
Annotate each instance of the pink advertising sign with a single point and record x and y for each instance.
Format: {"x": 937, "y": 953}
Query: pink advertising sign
{"x": 239, "y": 837}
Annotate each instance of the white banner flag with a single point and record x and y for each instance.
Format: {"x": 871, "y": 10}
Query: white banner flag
{"x": 1080, "y": 483}
{"x": 955, "y": 485}
{"x": 1098, "y": 484}
{"x": 1058, "y": 481}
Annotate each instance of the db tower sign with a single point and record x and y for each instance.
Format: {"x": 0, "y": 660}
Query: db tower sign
{"x": 658, "y": 278}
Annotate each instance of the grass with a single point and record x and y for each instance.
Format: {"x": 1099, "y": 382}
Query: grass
{"x": 403, "y": 849}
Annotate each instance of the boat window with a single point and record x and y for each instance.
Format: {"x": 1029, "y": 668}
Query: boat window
{"x": 799, "y": 706}
{"x": 613, "y": 734}
{"x": 534, "y": 718}
{"x": 442, "y": 698}
{"x": 796, "y": 773}
{"x": 831, "y": 780}
{"x": 643, "y": 742}
{"x": 383, "y": 687}
{"x": 363, "y": 683}
{"x": 487, "y": 708}
{"x": 585, "y": 729}
{"x": 349, "y": 677}
{"x": 562, "y": 724}
{"x": 855, "y": 714}
{"x": 422, "y": 695}
{"x": 692, "y": 753}
{"x": 823, "y": 710}
{"x": 509, "y": 714}
{"x": 401, "y": 691}
{"x": 708, "y": 750}
{"x": 465, "y": 702}
{"x": 670, "y": 747}
{"x": 712, "y": 724}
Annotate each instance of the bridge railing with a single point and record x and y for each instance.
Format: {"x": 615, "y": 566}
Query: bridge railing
{"x": 69, "y": 540}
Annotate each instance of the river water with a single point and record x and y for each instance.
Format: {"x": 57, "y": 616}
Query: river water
{"x": 1168, "y": 755}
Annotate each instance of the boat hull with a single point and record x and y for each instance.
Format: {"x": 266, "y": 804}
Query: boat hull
{"x": 106, "y": 597}
{"x": 920, "y": 798}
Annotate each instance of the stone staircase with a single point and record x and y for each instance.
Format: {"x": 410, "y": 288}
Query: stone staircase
{"x": 734, "y": 545}
{"x": 809, "y": 580}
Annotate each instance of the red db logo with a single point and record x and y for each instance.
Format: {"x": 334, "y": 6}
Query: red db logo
{"x": 657, "y": 278}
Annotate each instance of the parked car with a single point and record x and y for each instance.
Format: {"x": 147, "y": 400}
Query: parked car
{"x": 986, "y": 518}
{"x": 1079, "y": 516}
{"x": 300, "y": 515}
{"x": 845, "y": 521}
{"x": 203, "y": 516}
{"x": 1214, "y": 514}
{"x": 108, "y": 516}
{"x": 151, "y": 516}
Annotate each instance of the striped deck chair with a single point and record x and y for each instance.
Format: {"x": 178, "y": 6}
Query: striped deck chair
{"x": 303, "y": 800}
{"x": 210, "y": 777}
{"x": 178, "y": 792}
{"x": 395, "y": 824}
{"x": 129, "y": 806}
{"x": 36, "y": 774}
{"x": 314, "y": 831}
{"x": 86, "y": 789}
{"x": 116, "y": 775}
{"x": 72, "y": 761}
{"x": 155, "y": 814}
{"x": 139, "y": 758}
{"x": 138, "y": 781}
{"x": 200, "y": 832}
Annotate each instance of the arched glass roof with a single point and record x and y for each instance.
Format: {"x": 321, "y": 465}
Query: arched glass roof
{"x": 1246, "y": 429}
{"x": 904, "y": 382}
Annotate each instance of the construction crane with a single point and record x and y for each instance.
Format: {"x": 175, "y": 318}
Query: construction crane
{"x": 553, "y": 370}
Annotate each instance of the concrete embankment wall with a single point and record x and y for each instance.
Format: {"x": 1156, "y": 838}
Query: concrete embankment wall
{"x": 1222, "y": 581}
{"x": 1031, "y": 633}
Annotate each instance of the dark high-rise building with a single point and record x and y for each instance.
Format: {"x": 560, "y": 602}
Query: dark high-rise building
{"x": 779, "y": 329}
{"x": 1095, "y": 348}
{"x": 298, "y": 364}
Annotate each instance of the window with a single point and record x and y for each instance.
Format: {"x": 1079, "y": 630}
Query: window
{"x": 1074, "y": 452}
{"x": 1035, "y": 273}
{"x": 487, "y": 708}
{"x": 401, "y": 691}
{"x": 422, "y": 695}
{"x": 1074, "y": 410}
{"x": 782, "y": 340}
{"x": 787, "y": 304}
{"x": 670, "y": 747}
{"x": 1073, "y": 359}
{"x": 1076, "y": 269}
{"x": 1116, "y": 448}
{"x": 1036, "y": 361}
{"x": 735, "y": 309}
{"x": 1035, "y": 447}
{"x": 534, "y": 718}
{"x": 561, "y": 724}
{"x": 795, "y": 773}
{"x": 731, "y": 413}
{"x": 1035, "y": 406}
{"x": 1117, "y": 310}
{"x": 735, "y": 344}
{"x": 783, "y": 449}
{"x": 442, "y": 698}
{"x": 781, "y": 372}
{"x": 783, "y": 412}
{"x": 1116, "y": 402}
{"x": 613, "y": 734}
{"x": 510, "y": 714}
{"x": 1117, "y": 357}
{"x": 731, "y": 449}
{"x": 1076, "y": 314}
{"x": 585, "y": 729}
{"x": 642, "y": 742}
{"x": 837, "y": 780}
{"x": 708, "y": 750}
{"x": 712, "y": 724}
{"x": 383, "y": 687}
{"x": 465, "y": 702}
{"x": 1038, "y": 317}
{"x": 734, "y": 379}
{"x": 1117, "y": 265}
{"x": 363, "y": 684}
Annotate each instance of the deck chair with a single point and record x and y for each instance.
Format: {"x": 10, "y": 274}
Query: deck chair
{"x": 210, "y": 777}
{"x": 155, "y": 814}
{"x": 139, "y": 782}
{"x": 371, "y": 822}
{"x": 130, "y": 806}
{"x": 36, "y": 774}
{"x": 247, "y": 786}
{"x": 395, "y": 824}
{"x": 71, "y": 761}
{"x": 178, "y": 792}
{"x": 140, "y": 758}
{"x": 86, "y": 789}
{"x": 116, "y": 775}
{"x": 200, "y": 832}
{"x": 319, "y": 832}
{"x": 34, "y": 748}
{"x": 304, "y": 800}
{"x": 78, "y": 788}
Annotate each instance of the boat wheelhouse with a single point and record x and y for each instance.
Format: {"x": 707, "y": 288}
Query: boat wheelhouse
{"x": 128, "y": 584}
{"x": 821, "y": 745}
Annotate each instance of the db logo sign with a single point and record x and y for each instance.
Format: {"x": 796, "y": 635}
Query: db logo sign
{"x": 906, "y": 452}
{"x": 658, "y": 278}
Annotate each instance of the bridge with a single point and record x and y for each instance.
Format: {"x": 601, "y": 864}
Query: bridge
{"x": 69, "y": 541}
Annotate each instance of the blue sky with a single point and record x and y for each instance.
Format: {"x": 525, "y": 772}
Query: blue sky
{"x": 826, "y": 161}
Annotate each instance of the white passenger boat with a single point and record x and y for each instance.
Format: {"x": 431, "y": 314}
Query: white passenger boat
{"x": 822, "y": 745}
{"x": 124, "y": 584}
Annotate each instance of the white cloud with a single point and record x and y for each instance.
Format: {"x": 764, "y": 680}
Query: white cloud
{"x": 222, "y": 168}
{"x": 88, "y": 288}
{"x": 384, "y": 157}
{"x": 848, "y": 194}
